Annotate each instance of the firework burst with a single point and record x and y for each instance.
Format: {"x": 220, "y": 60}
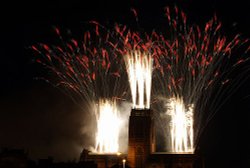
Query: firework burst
{"x": 89, "y": 72}
{"x": 193, "y": 64}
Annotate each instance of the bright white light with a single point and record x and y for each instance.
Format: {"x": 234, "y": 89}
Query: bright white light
{"x": 139, "y": 69}
{"x": 123, "y": 163}
{"x": 181, "y": 125}
{"x": 108, "y": 127}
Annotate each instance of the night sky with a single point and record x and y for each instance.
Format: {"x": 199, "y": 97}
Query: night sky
{"x": 42, "y": 120}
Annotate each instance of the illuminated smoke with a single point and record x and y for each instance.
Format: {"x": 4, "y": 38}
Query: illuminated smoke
{"x": 181, "y": 125}
{"x": 108, "y": 127}
{"x": 139, "y": 69}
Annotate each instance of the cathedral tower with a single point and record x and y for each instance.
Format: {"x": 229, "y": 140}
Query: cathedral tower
{"x": 141, "y": 137}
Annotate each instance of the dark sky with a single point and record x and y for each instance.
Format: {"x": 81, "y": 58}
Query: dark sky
{"x": 39, "y": 118}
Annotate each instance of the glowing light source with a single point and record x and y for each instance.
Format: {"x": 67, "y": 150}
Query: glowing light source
{"x": 181, "y": 125}
{"x": 108, "y": 127}
{"x": 139, "y": 69}
{"x": 123, "y": 163}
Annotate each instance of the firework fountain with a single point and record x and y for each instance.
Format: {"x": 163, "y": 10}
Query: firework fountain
{"x": 108, "y": 119}
{"x": 193, "y": 67}
{"x": 136, "y": 49}
{"x": 181, "y": 125}
{"x": 139, "y": 69}
{"x": 88, "y": 71}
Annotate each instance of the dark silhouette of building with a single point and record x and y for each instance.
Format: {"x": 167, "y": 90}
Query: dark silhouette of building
{"x": 108, "y": 160}
{"x": 18, "y": 158}
{"x": 13, "y": 158}
{"x": 49, "y": 163}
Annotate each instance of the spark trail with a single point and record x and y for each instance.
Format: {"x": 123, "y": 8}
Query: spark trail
{"x": 139, "y": 69}
{"x": 108, "y": 127}
{"x": 181, "y": 125}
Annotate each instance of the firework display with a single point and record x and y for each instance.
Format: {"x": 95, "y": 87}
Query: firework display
{"x": 193, "y": 64}
{"x": 188, "y": 67}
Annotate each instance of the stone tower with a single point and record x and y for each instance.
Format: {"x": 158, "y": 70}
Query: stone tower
{"x": 141, "y": 137}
